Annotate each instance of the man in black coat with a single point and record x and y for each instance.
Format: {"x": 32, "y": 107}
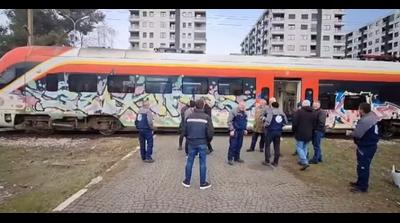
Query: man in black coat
{"x": 303, "y": 126}
{"x": 207, "y": 110}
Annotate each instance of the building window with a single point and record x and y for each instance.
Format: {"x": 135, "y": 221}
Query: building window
{"x": 327, "y": 27}
{"x": 326, "y": 38}
{"x": 303, "y": 27}
{"x": 158, "y": 85}
{"x": 395, "y": 44}
{"x": 144, "y": 24}
{"x": 189, "y": 25}
{"x": 163, "y": 25}
{"x": 326, "y": 48}
{"x": 163, "y": 44}
{"x": 194, "y": 85}
{"x": 396, "y": 25}
{"x": 370, "y": 51}
{"x": 151, "y": 13}
{"x": 189, "y": 35}
{"x": 377, "y": 32}
{"x": 304, "y": 16}
{"x": 376, "y": 49}
{"x": 183, "y": 45}
{"x": 327, "y": 17}
{"x": 151, "y": 34}
{"x": 376, "y": 40}
{"x": 151, "y": 45}
{"x": 314, "y": 17}
{"x": 163, "y": 35}
{"x": 290, "y": 47}
{"x": 162, "y": 14}
{"x": 230, "y": 86}
{"x": 292, "y": 26}
{"x": 82, "y": 82}
{"x": 189, "y": 46}
{"x": 144, "y": 45}
{"x": 291, "y": 37}
{"x": 184, "y": 25}
{"x": 369, "y": 34}
{"x": 151, "y": 24}
{"x": 292, "y": 16}
{"x": 121, "y": 84}
{"x": 144, "y": 35}
{"x": 304, "y": 37}
{"x": 303, "y": 48}
{"x": 183, "y": 14}
{"x": 369, "y": 43}
{"x": 144, "y": 14}
{"x": 396, "y": 34}
{"x": 183, "y": 35}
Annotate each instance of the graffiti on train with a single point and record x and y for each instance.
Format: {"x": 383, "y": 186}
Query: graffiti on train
{"x": 125, "y": 106}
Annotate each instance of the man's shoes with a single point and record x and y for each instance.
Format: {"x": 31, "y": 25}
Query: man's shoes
{"x": 353, "y": 184}
{"x": 305, "y": 166}
{"x": 180, "y": 148}
{"x": 239, "y": 161}
{"x": 250, "y": 150}
{"x": 312, "y": 161}
{"x": 149, "y": 160}
{"x": 205, "y": 186}
{"x": 274, "y": 164}
{"x": 357, "y": 190}
{"x": 230, "y": 162}
{"x": 265, "y": 163}
{"x": 185, "y": 184}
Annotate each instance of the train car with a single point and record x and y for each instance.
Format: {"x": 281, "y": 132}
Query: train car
{"x": 58, "y": 88}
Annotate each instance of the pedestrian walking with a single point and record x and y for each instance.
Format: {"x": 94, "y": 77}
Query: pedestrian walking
{"x": 144, "y": 124}
{"x": 258, "y": 127}
{"x": 274, "y": 123}
{"x": 267, "y": 110}
{"x": 208, "y": 111}
{"x": 303, "y": 126}
{"x": 298, "y": 107}
{"x": 319, "y": 132}
{"x": 366, "y": 138}
{"x": 237, "y": 122}
{"x": 198, "y": 131}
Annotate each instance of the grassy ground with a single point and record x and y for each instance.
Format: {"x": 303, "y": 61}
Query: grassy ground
{"x": 38, "y": 178}
{"x": 338, "y": 169}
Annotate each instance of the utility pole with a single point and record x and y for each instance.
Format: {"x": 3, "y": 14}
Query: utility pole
{"x": 30, "y": 27}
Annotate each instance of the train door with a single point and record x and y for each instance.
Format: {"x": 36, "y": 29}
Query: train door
{"x": 287, "y": 93}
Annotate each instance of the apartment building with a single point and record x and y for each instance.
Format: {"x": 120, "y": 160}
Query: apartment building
{"x": 376, "y": 38}
{"x": 183, "y": 29}
{"x": 297, "y": 32}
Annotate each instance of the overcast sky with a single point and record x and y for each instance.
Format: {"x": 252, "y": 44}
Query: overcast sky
{"x": 226, "y": 28}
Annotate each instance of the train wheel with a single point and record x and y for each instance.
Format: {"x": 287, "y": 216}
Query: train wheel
{"x": 114, "y": 127}
{"x": 107, "y": 132}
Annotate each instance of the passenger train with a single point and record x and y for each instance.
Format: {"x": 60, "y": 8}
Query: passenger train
{"x": 60, "y": 88}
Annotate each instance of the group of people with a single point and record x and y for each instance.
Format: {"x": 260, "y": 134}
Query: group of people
{"x": 308, "y": 125}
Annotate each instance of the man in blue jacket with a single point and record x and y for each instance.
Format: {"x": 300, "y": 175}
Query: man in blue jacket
{"x": 199, "y": 131}
{"x": 237, "y": 123}
{"x": 366, "y": 138}
{"x": 144, "y": 124}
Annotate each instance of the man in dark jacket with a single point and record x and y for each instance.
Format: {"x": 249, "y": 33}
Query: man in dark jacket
{"x": 319, "y": 131}
{"x": 237, "y": 123}
{"x": 144, "y": 124}
{"x": 184, "y": 113}
{"x": 366, "y": 138}
{"x": 302, "y": 126}
{"x": 198, "y": 131}
{"x": 208, "y": 110}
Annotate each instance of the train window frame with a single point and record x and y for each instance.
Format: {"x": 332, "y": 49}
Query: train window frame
{"x": 129, "y": 89}
{"x": 347, "y": 98}
{"x": 331, "y": 103}
{"x": 227, "y": 80}
{"x": 15, "y": 71}
{"x": 158, "y": 81}
{"x": 203, "y": 82}
{"x": 83, "y": 75}
{"x": 55, "y": 77}
{"x": 312, "y": 95}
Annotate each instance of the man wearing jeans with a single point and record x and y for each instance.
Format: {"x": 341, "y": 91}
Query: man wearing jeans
{"x": 144, "y": 123}
{"x": 319, "y": 131}
{"x": 199, "y": 130}
{"x": 302, "y": 126}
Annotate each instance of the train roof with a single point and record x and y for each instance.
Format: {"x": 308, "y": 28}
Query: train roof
{"x": 228, "y": 61}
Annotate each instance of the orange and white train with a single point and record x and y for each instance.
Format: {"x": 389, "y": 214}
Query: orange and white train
{"x": 61, "y": 88}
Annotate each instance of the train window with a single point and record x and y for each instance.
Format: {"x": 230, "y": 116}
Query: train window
{"x": 327, "y": 101}
{"x": 264, "y": 93}
{"x": 309, "y": 94}
{"x": 15, "y": 71}
{"x": 158, "y": 85}
{"x": 82, "y": 82}
{"x": 121, "y": 84}
{"x": 351, "y": 102}
{"x": 230, "y": 86}
{"x": 194, "y": 85}
{"x": 52, "y": 82}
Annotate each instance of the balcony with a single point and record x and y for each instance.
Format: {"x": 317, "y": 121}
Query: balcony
{"x": 172, "y": 27}
{"x": 172, "y": 17}
{"x": 133, "y": 38}
{"x": 278, "y": 20}
{"x": 277, "y": 29}
{"x": 339, "y": 21}
{"x": 200, "y": 17}
{"x": 134, "y": 28}
{"x": 200, "y": 28}
{"x": 133, "y": 18}
{"x": 339, "y": 42}
{"x": 277, "y": 40}
{"x": 313, "y": 42}
{"x": 339, "y": 31}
